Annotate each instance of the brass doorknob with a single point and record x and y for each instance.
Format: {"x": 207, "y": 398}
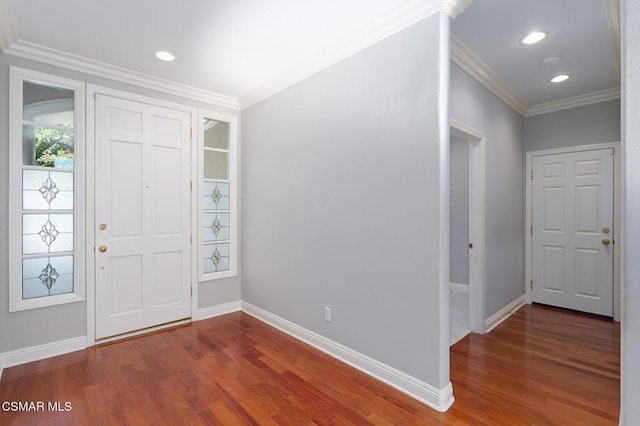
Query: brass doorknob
{"x": 606, "y": 242}
{"x": 102, "y": 249}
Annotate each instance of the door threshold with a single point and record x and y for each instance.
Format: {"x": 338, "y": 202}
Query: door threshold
{"x": 140, "y": 331}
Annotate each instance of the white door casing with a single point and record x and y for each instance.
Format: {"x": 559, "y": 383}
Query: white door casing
{"x": 572, "y": 220}
{"x": 142, "y": 200}
{"x": 476, "y": 139}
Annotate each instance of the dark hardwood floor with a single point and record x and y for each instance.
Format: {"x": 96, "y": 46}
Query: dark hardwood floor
{"x": 541, "y": 366}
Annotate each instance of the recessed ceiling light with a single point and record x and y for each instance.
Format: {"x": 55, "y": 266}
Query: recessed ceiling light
{"x": 533, "y": 37}
{"x": 164, "y": 56}
{"x": 560, "y": 78}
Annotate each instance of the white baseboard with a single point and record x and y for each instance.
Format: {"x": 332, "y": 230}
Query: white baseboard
{"x": 217, "y": 310}
{"x": 459, "y": 288}
{"x": 438, "y": 399}
{"x": 36, "y": 353}
{"x": 494, "y": 320}
{"x": 48, "y": 350}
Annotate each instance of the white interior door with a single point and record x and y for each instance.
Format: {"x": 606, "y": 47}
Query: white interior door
{"x": 572, "y": 235}
{"x": 142, "y": 214}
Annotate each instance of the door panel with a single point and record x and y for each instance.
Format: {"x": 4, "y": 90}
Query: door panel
{"x": 124, "y": 284}
{"x": 572, "y": 207}
{"x": 125, "y": 189}
{"x": 143, "y": 200}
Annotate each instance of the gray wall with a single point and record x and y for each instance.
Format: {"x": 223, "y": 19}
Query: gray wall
{"x": 596, "y": 123}
{"x": 341, "y": 203}
{"x": 44, "y": 325}
{"x": 459, "y": 211}
{"x": 475, "y": 106}
{"x": 630, "y": 368}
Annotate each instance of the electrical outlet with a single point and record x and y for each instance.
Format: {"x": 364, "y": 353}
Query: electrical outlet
{"x": 327, "y": 314}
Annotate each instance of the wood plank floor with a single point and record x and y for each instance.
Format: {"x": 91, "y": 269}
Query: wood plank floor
{"x": 541, "y": 366}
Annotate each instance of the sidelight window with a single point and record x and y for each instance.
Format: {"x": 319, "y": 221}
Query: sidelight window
{"x": 218, "y": 196}
{"x": 46, "y": 135}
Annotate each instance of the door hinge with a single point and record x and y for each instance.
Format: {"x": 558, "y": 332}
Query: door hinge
{"x": 191, "y": 238}
{"x": 531, "y": 229}
{"x": 191, "y": 186}
{"x": 191, "y": 131}
{"x": 531, "y": 174}
{"x": 191, "y": 291}
{"x": 470, "y": 245}
{"x": 531, "y": 285}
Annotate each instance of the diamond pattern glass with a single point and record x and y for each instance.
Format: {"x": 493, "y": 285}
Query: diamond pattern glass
{"x": 47, "y": 276}
{"x": 47, "y": 190}
{"x": 216, "y": 257}
{"x": 47, "y": 233}
{"x": 216, "y": 227}
{"x": 216, "y": 196}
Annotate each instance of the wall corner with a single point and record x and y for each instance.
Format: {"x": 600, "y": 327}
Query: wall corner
{"x": 453, "y": 8}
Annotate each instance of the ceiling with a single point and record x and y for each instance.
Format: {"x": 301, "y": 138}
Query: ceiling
{"x": 578, "y": 32}
{"x": 224, "y": 46}
{"x": 233, "y": 47}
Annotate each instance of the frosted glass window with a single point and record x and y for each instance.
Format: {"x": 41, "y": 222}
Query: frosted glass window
{"x": 216, "y": 134}
{"x": 45, "y": 190}
{"x": 47, "y": 276}
{"x": 216, "y": 196}
{"x": 47, "y": 233}
{"x": 216, "y": 227}
{"x": 216, "y": 165}
{"x": 216, "y": 257}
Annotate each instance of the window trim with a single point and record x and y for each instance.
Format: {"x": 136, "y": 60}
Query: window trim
{"x": 16, "y": 77}
{"x": 233, "y": 194}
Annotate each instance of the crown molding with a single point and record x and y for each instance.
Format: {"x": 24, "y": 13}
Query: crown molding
{"x": 67, "y": 60}
{"x": 453, "y": 8}
{"x": 7, "y": 31}
{"x": 397, "y": 19}
{"x": 612, "y": 10}
{"x": 470, "y": 63}
{"x": 574, "y": 102}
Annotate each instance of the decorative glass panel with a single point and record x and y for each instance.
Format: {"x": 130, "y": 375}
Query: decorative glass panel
{"x": 47, "y": 276}
{"x": 44, "y": 203}
{"x": 45, "y": 190}
{"x": 47, "y": 147}
{"x": 216, "y": 196}
{"x": 217, "y": 216}
{"x": 216, "y": 257}
{"x": 216, "y": 165}
{"x": 47, "y": 233}
{"x": 216, "y": 227}
{"x": 216, "y": 134}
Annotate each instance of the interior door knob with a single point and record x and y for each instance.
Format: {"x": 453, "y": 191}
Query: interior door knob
{"x": 102, "y": 249}
{"x": 606, "y": 242}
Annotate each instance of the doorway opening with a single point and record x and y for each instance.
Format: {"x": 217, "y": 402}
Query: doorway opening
{"x": 467, "y": 231}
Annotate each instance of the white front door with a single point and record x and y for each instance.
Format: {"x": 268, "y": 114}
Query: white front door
{"x": 572, "y": 231}
{"x": 142, "y": 214}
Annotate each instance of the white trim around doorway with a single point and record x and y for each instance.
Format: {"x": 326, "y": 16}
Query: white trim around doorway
{"x": 476, "y": 223}
{"x": 617, "y": 235}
